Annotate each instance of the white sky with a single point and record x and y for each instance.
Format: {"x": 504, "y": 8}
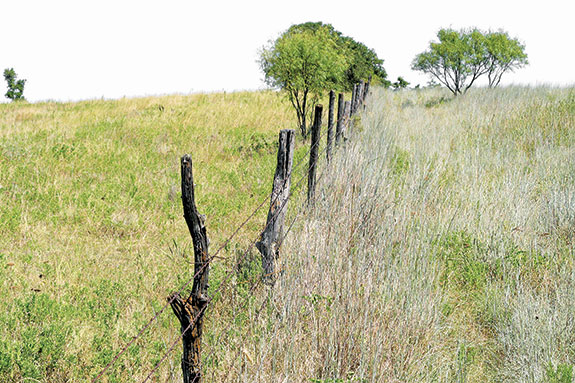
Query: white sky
{"x": 85, "y": 49}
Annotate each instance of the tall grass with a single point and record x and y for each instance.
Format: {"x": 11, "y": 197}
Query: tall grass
{"x": 440, "y": 248}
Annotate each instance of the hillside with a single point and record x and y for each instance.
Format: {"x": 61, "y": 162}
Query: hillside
{"x": 92, "y": 238}
{"x": 440, "y": 247}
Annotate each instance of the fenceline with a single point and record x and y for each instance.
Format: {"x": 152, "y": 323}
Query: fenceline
{"x": 191, "y": 311}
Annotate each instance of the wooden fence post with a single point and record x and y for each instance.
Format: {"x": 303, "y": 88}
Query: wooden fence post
{"x": 353, "y": 100}
{"x": 271, "y": 237}
{"x": 313, "y": 154}
{"x": 191, "y": 311}
{"x": 330, "y": 125}
{"x": 359, "y": 100}
{"x": 347, "y": 117}
{"x": 339, "y": 125}
{"x": 367, "y": 86}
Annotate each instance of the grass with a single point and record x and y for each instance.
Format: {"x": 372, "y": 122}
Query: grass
{"x": 92, "y": 238}
{"x": 439, "y": 249}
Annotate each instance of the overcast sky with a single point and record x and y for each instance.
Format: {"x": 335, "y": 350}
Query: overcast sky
{"x": 85, "y": 49}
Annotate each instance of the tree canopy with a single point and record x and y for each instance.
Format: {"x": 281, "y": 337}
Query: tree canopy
{"x": 503, "y": 54}
{"x": 461, "y": 57}
{"x": 361, "y": 62}
{"x": 303, "y": 64}
{"x": 310, "y": 58}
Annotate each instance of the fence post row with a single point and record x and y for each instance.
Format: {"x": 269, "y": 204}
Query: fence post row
{"x": 367, "y": 86}
{"x": 271, "y": 237}
{"x": 190, "y": 312}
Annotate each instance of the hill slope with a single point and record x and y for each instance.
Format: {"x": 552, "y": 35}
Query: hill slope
{"x": 92, "y": 238}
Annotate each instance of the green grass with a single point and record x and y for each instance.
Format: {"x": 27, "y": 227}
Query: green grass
{"x": 92, "y": 238}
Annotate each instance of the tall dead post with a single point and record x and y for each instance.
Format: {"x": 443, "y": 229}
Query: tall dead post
{"x": 190, "y": 312}
{"x": 271, "y": 237}
{"x": 330, "y": 125}
{"x": 313, "y": 154}
{"x": 339, "y": 125}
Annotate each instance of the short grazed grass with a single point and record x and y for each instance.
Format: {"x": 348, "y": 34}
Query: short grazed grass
{"x": 92, "y": 237}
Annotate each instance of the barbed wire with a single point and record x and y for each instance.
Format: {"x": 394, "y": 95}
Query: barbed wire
{"x": 187, "y": 283}
{"x": 230, "y": 272}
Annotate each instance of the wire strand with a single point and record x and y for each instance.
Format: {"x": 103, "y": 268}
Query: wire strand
{"x": 187, "y": 283}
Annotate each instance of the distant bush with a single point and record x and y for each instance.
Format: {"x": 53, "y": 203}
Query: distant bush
{"x": 15, "y": 87}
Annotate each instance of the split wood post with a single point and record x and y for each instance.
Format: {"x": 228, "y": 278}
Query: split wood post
{"x": 271, "y": 237}
{"x": 191, "y": 311}
{"x": 330, "y": 125}
{"x": 339, "y": 125}
{"x": 313, "y": 154}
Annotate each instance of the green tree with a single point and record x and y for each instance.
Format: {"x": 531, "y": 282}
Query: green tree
{"x": 361, "y": 62}
{"x": 503, "y": 54}
{"x": 461, "y": 57}
{"x": 455, "y": 61}
{"x": 303, "y": 64}
{"x": 400, "y": 84}
{"x": 15, "y": 87}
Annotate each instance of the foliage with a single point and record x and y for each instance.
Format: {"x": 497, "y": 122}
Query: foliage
{"x": 362, "y": 62}
{"x": 15, "y": 87}
{"x": 312, "y": 57}
{"x": 503, "y": 54}
{"x": 400, "y": 83}
{"x": 563, "y": 373}
{"x": 461, "y": 57}
{"x": 303, "y": 63}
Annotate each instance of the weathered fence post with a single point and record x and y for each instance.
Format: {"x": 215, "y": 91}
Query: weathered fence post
{"x": 347, "y": 117}
{"x": 367, "y": 86}
{"x": 339, "y": 125}
{"x": 313, "y": 154}
{"x": 330, "y": 124}
{"x": 191, "y": 311}
{"x": 271, "y": 237}
{"x": 358, "y": 98}
{"x": 353, "y": 100}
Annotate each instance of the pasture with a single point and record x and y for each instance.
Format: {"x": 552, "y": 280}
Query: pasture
{"x": 440, "y": 247}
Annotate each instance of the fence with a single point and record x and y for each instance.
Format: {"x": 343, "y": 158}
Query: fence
{"x": 191, "y": 311}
